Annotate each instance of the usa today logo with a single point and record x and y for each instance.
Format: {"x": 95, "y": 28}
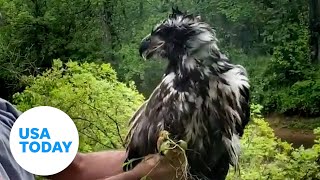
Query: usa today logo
{"x": 44, "y": 140}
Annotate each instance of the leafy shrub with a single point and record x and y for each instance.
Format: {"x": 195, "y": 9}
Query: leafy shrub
{"x": 302, "y": 98}
{"x": 264, "y": 156}
{"x": 91, "y": 95}
{"x": 290, "y": 56}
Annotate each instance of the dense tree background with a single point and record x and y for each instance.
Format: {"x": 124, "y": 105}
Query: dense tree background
{"x": 82, "y": 56}
{"x": 277, "y": 41}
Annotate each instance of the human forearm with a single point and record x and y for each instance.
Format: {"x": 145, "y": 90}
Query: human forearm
{"x": 93, "y": 166}
{"x": 107, "y": 165}
{"x": 103, "y": 164}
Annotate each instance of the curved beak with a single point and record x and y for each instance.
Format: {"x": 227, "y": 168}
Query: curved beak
{"x": 144, "y": 46}
{"x": 149, "y": 45}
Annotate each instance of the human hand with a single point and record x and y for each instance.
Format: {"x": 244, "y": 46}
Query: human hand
{"x": 154, "y": 166}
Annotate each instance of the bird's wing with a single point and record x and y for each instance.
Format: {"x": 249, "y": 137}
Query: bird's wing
{"x": 244, "y": 98}
{"x": 230, "y": 97}
{"x": 142, "y": 137}
{"x": 135, "y": 120}
{"x": 234, "y": 93}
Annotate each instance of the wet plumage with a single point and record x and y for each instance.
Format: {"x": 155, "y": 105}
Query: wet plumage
{"x": 202, "y": 99}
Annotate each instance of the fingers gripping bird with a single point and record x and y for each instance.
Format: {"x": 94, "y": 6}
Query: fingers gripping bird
{"x": 202, "y": 99}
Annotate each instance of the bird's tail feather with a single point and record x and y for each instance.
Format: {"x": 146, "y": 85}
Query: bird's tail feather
{"x": 233, "y": 147}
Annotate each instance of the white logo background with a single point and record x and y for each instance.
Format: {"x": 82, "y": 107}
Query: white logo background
{"x": 60, "y": 127}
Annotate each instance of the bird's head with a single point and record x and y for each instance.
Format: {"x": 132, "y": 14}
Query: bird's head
{"x": 181, "y": 34}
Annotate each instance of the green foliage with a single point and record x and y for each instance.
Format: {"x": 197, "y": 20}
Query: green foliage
{"x": 291, "y": 52}
{"x": 264, "y": 156}
{"x": 91, "y": 95}
{"x": 33, "y": 33}
{"x": 307, "y": 95}
{"x": 270, "y": 38}
{"x": 291, "y": 84}
{"x": 302, "y": 98}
